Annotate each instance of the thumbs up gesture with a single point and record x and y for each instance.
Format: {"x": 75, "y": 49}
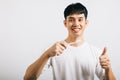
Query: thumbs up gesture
{"x": 104, "y": 59}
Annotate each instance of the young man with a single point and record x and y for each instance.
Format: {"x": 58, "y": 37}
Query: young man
{"x": 73, "y": 58}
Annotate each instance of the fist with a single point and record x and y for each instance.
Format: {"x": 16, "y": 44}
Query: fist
{"x": 104, "y": 59}
{"x": 57, "y": 49}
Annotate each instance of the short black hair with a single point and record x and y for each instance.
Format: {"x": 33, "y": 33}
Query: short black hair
{"x": 75, "y": 8}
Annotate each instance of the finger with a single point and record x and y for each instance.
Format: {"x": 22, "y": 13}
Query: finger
{"x": 63, "y": 44}
{"x": 103, "y": 60}
{"x": 60, "y": 49}
{"x": 103, "y": 57}
{"x": 105, "y": 64}
{"x": 104, "y": 67}
{"x": 58, "y": 52}
{"x": 104, "y": 51}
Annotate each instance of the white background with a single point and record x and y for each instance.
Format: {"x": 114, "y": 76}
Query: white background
{"x": 28, "y": 27}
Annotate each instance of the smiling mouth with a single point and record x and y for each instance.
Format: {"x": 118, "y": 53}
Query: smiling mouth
{"x": 76, "y": 30}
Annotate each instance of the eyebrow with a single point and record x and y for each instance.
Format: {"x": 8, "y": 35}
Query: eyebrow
{"x": 73, "y": 17}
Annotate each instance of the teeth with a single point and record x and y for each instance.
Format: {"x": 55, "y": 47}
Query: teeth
{"x": 75, "y": 28}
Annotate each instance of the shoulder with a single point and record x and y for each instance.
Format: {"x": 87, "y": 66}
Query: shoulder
{"x": 94, "y": 49}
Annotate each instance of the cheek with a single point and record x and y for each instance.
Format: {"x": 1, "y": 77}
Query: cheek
{"x": 83, "y": 24}
{"x": 68, "y": 25}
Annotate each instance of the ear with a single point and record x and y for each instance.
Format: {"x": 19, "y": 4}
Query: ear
{"x": 86, "y": 22}
{"x": 64, "y": 23}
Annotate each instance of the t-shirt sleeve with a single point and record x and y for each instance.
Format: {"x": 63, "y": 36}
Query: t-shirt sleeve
{"x": 46, "y": 72}
{"x": 99, "y": 71}
{"x": 47, "y": 65}
{"x": 47, "y": 69}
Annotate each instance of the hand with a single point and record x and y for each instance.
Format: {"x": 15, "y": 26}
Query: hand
{"x": 57, "y": 49}
{"x": 104, "y": 60}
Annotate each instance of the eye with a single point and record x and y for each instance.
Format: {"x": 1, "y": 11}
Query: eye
{"x": 80, "y": 19}
{"x": 70, "y": 20}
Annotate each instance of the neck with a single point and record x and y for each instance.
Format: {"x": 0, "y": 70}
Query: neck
{"x": 78, "y": 40}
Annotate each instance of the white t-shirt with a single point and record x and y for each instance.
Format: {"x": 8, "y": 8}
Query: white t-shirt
{"x": 77, "y": 63}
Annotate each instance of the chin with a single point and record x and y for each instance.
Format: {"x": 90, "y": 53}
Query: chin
{"x": 77, "y": 35}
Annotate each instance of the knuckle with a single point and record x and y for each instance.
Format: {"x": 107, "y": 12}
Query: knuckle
{"x": 56, "y": 47}
{"x": 56, "y": 50}
{"x": 56, "y": 44}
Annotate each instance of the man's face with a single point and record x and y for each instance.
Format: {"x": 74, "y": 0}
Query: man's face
{"x": 75, "y": 24}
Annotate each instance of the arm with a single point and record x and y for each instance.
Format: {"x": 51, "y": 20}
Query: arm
{"x": 105, "y": 64}
{"x": 35, "y": 69}
{"x": 109, "y": 75}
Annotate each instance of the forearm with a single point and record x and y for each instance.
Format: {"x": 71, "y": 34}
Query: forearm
{"x": 109, "y": 74}
{"x": 35, "y": 69}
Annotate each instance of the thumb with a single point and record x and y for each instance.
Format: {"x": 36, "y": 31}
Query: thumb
{"x": 104, "y": 51}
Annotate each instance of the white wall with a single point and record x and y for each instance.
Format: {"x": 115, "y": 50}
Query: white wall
{"x": 28, "y": 27}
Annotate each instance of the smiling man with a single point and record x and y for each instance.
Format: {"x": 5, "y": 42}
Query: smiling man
{"x": 73, "y": 58}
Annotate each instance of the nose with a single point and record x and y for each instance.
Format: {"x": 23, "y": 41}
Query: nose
{"x": 76, "y": 23}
